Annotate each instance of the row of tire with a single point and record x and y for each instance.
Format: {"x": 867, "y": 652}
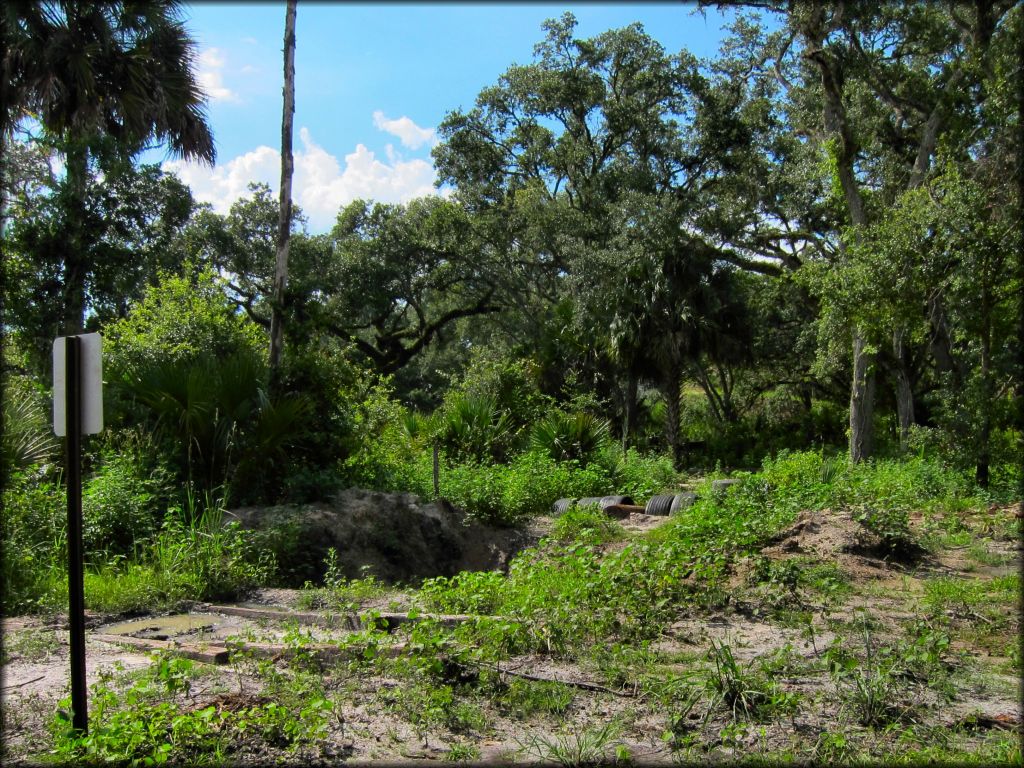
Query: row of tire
{"x": 665, "y": 504}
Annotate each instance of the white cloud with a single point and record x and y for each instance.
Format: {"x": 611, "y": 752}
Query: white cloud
{"x": 211, "y": 76}
{"x": 320, "y": 187}
{"x": 411, "y": 135}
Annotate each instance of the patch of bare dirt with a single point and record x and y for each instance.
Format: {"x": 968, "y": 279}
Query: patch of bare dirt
{"x": 786, "y": 633}
{"x": 395, "y": 537}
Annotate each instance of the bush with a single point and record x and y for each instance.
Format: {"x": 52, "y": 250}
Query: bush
{"x": 505, "y": 494}
{"x": 588, "y": 525}
{"x": 570, "y": 436}
{"x": 473, "y": 428}
{"x": 121, "y": 506}
{"x": 32, "y": 526}
{"x": 638, "y": 475}
{"x": 180, "y": 319}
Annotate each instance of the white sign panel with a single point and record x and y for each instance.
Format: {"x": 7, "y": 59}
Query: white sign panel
{"x": 91, "y": 384}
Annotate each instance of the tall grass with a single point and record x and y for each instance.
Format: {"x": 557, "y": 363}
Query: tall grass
{"x": 194, "y": 556}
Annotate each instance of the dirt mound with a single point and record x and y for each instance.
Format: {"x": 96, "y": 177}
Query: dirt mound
{"x": 821, "y": 533}
{"x": 834, "y": 535}
{"x": 396, "y": 537}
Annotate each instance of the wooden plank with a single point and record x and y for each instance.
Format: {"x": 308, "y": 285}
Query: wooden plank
{"x": 345, "y": 620}
{"x": 389, "y": 620}
{"x": 321, "y": 651}
{"x": 210, "y": 654}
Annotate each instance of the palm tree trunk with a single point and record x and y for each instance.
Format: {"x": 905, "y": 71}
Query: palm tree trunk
{"x": 630, "y": 409}
{"x": 77, "y": 159}
{"x": 285, "y": 218}
{"x": 670, "y": 390}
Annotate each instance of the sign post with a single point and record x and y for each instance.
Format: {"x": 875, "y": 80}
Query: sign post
{"x": 78, "y": 409}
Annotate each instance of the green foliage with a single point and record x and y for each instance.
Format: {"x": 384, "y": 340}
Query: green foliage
{"x": 870, "y": 684}
{"x": 476, "y": 592}
{"x": 570, "y": 436}
{"x": 27, "y": 439}
{"x": 593, "y": 746}
{"x": 588, "y": 525}
{"x": 386, "y": 455}
{"x": 33, "y": 516}
{"x": 140, "y": 726}
{"x": 217, "y": 420}
{"x": 638, "y": 475}
{"x": 525, "y": 698}
{"x": 121, "y": 506}
{"x": 473, "y": 428}
{"x": 741, "y": 689}
{"x": 526, "y": 487}
{"x": 810, "y": 480}
{"x": 891, "y": 527}
{"x": 181, "y": 318}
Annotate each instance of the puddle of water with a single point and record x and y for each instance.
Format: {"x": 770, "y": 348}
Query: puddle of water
{"x": 176, "y": 624}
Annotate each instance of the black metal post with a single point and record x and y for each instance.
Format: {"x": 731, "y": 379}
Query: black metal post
{"x": 76, "y": 585}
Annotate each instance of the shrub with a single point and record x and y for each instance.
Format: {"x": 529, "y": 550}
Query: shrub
{"x": 27, "y": 438}
{"x": 473, "y": 428}
{"x": 638, "y": 475}
{"x": 588, "y": 525}
{"x": 504, "y": 494}
{"x": 570, "y": 436}
{"x": 120, "y": 506}
{"x": 32, "y": 526}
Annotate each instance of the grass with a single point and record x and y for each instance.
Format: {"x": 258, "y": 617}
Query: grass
{"x": 573, "y": 603}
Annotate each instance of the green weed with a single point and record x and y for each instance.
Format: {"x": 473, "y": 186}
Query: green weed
{"x": 525, "y": 698}
{"x": 741, "y": 689}
{"x": 587, "y": 525}
{"x": 590, "y": 746}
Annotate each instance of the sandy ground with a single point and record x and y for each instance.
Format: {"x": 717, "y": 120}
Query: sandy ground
{"x": 35, "y": 668}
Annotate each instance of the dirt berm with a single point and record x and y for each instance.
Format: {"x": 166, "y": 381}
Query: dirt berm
{"x": 396, "y": 537}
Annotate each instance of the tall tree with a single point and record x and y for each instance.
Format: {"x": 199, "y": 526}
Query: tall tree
{"x": 894, "y": 82}
{"x": 284, "y": 220}
{"x": 110, "y": 75}
{"x": 608, "y": 146}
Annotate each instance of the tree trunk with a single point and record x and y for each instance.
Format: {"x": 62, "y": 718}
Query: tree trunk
{"x": 862, "y": 400}
{"x": 904, "y": 392}
{"x": 836, "y": 122}
{"x": 981, "y": 469}
{"x": 670, "y": 390}
{"x": 285, "y": 219}
{"x": 630, "y": 409}
{"x": 77, "y": 159}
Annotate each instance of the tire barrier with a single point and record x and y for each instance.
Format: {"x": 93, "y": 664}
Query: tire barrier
{"x": 682, "y": 501}
{"x": 561, "y": 506}
{"x": 607, "y": 501}
{"x": 659, "y": 505}
{"x": 669, "y": 503}
{"x": 721, "y": 486}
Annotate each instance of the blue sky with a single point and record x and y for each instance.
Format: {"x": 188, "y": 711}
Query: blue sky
{"x": 372, "y": 83}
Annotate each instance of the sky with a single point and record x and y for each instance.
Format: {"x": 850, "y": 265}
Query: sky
{"x": 372, "y": 82}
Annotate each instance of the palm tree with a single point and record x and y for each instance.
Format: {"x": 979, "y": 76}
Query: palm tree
{"x": 116, "y": 75}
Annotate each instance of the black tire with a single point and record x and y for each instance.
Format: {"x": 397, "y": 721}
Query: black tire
{"x": 682, "y": 501}
{"x": 561, "y": 506}
{"x": 607, "y": 501}
{"x": 660, "y": 506}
